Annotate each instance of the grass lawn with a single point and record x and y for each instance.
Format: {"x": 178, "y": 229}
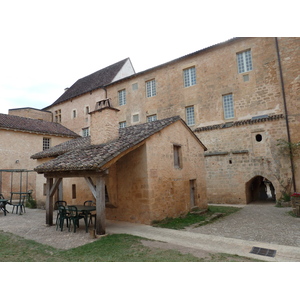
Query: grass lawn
{"x": 190, "y": 218}
{"x": 112, "y": 248}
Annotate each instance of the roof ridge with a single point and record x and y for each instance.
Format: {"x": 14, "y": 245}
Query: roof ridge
{"x": 90, "y": 82}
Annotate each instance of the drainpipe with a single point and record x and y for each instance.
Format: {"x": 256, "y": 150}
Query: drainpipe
{"x": 286, "y": 114}
{"x": 105, "y": 91}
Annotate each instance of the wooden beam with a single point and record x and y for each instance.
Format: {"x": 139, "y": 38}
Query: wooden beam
{"x": 55, "y": 186}
{"x": 73, "y": 174}
{"x": 49, "y": 202}
{"x": 91, "y": 185}
{"x": 100, "y": 205}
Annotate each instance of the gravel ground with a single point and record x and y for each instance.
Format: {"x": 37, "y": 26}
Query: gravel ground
{"x": 264, "y": 223}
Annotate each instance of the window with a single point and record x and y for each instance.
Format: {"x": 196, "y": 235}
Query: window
{"x": 87, "y": 110}
{"x": 190, "y": 116}
{"x": 86, "y": 131}
{"x": 122, "y": 124}
{"x": 151, "y": 118}
{"x": 122, "y": 97}
{"x": 228, "y": 106}
{"x": 46, "y": 143}
{"x": 244, "y": 61}
{"x": 189, "y": 76}
{"x": 73, "y": 191}
{"x": 58, "y": 116}
{"x": 135, "y": 118}
{"x": 151, "y": 88}
{"x": 74, "y": 113}
{"x": 135, "y": 87}
{"x": 177, "y": 156}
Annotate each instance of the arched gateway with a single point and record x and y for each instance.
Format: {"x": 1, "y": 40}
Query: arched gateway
{"x": 260, "y": 189}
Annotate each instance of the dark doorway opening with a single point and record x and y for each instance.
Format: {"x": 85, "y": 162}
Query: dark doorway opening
{"x": 260, "y": 189}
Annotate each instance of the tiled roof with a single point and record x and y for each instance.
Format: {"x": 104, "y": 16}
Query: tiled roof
{"x": 94, "y": 157}
{"x": 91, "y": 82}
{"x": 12, "y": 122}
{"x": 62, "y": 148}
{"x": 254, "y": 120}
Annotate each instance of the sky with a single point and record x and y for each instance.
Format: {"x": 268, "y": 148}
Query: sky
{"x": 47, "y": 45}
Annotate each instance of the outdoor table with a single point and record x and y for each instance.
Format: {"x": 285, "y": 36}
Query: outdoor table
{"x": 3, "y": 203}
{"x": 85, "y": 210}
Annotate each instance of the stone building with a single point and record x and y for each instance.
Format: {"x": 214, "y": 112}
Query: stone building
{"x": 19, "y": 138}
{"x": 239, "y": 97}
{"x": 72, "y": 108}
{"x": 141, "y": 183}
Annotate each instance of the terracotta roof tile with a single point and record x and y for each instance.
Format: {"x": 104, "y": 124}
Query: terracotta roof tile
{"x": 11, "y": 122}
{"x": 93, "y": 157}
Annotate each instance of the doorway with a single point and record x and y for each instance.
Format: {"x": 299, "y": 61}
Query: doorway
{"x": 260, "y": 189}
{"x": 192, "y": 193}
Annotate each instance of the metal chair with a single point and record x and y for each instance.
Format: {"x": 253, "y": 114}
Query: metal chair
{"x": 74, "y": 217}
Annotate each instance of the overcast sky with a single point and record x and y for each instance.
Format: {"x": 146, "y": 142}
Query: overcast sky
{"x": 47, "y": 45}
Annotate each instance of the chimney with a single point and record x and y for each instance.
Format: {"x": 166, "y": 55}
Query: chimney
{"x": 104, "y": 123}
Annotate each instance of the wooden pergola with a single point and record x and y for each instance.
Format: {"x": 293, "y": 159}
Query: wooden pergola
{"x": 97, "y": 188}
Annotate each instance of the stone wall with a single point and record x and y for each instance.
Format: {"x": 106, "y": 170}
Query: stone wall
{"x": 154, "y": 189}
{"x": 82, "y": 106}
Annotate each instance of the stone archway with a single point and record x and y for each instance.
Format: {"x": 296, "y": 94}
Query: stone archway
{"x": 260, "y": 189}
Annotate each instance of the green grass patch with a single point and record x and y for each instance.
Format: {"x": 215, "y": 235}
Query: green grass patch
{"x": 112, "y": 248}
{"x": 191, "y": 218}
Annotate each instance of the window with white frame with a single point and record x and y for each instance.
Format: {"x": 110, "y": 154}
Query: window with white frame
{"x": 189, "y": 77}
{"x": 122, "y": 124}
{"x": 228, "y": 106}
{"x": 87, "y": 110}
{"x": 151, "y": 118}
{"x": 151, "y": 88}
{"x": 46, "y": 143}
{"x": 190, "y": 115}
{"x": 86, "y": 131}
{"x": 122, "y": 97}
{"x": 244, "y": 61}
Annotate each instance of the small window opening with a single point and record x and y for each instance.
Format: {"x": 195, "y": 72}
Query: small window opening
{"x": 230, "y": 161}
{"x": 73, "y": 191}
{"x": 258, "y": 137}
{"x": 177, "y": 156}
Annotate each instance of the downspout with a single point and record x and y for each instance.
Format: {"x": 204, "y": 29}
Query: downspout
{"x": 286, "y": 114}
{"x": 105, "y": 91}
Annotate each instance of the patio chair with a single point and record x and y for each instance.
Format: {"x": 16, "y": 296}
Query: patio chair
{"x": 19, "y": 204}
{"x": 74, "y": 217}
{"x": 62, "y": 215}
{"x": 91, "y": 215}
{"x": 56, "y": 206}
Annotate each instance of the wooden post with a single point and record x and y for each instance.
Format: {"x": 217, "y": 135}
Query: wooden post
{"x": 49, "y": 202}
{"x": 100, "y": 205}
